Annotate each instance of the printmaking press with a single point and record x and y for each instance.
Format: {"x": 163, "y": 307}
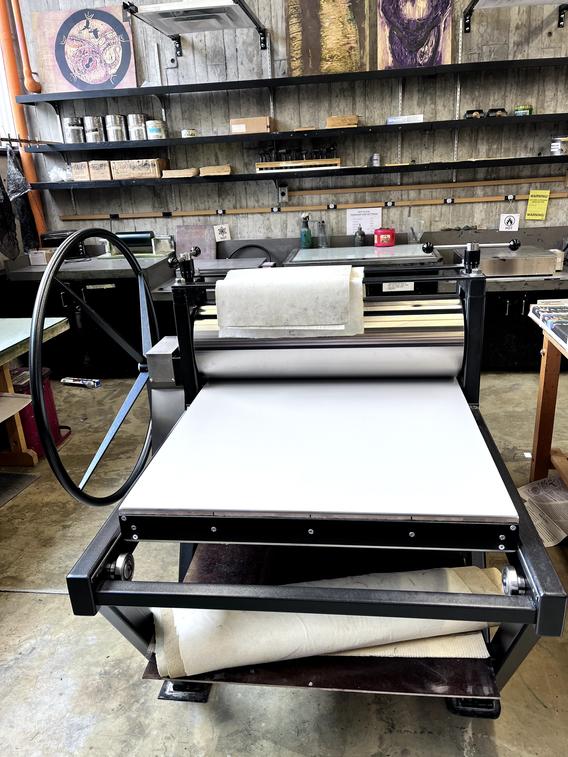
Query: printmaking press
{"x": 316, "y": 449}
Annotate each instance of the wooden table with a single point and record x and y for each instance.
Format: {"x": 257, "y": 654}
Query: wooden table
{"x": 15, "y": 341}
{"x": 544, "y": 456}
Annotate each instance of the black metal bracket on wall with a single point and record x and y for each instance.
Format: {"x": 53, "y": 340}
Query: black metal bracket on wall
{"x": 129, "y": 9}
{"x": 468, "y": 13}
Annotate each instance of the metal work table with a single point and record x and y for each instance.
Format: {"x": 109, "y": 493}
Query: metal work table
{"x": 156, "y": 270}
{"x": 557, "y": 281}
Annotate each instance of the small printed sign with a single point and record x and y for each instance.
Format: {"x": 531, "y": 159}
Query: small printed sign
{"x": 537, "y": 207}
{"x": 509, "y": 221}
{"x": 398, "y": 286}
{"x": 222, "y": 232}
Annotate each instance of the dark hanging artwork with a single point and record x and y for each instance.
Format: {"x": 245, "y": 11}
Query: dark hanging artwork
{"x": 414, "y": 33}
{"x": 84, "y": 49}
{"x": 328, "y": 36}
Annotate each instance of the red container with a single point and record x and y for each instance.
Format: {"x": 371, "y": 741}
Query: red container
{"x": 384, "y": 238}
{"x": 21, "y": 382}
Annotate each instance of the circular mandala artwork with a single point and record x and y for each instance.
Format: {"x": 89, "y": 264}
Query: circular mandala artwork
{"x": 93, "y": 49}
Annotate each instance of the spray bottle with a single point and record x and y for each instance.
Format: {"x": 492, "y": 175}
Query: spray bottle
{"x": 305, "y": 233}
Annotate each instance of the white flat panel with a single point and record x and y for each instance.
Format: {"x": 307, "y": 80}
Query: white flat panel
{"x": 397, "y": 253}
{"x": 10, "y": 404}
{"x": 15, "y": 334}
{"x": 337, "y": 449}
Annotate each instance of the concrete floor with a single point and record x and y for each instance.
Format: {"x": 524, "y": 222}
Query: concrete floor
{"x": 73, "y": 686}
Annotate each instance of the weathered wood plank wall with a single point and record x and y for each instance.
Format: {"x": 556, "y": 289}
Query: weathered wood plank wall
{"x": 496, "y": 34}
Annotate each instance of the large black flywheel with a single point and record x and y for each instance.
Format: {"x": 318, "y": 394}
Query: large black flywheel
{"x": 149, "y": 333}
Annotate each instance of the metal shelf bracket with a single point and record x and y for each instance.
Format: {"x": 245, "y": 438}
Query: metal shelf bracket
{"x": 468, "y": 13}
{"x": 129, "y": 9}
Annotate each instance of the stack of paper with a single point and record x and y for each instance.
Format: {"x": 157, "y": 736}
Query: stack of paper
{"x": 547, "y": 504}
{"x": 554, "y": 315}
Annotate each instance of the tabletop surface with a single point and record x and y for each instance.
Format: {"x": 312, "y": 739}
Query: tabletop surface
{"x": 340, "y": 449}
{"x": 88, "y": 268}
{"x": 15, "y": 335}
{"x": 386, "y": 255}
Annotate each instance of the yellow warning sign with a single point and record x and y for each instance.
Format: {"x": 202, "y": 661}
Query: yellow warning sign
{"x": 537, "y": 207}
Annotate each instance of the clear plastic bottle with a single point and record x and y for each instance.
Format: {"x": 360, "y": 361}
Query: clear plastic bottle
{"x": 322, "y": 235}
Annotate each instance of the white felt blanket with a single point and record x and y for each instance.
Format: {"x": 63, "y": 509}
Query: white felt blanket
{"x": 189, "y": 642}
{"x": 291, "y": 302}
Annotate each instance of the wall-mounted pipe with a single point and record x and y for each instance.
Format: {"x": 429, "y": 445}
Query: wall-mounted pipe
{"x": 14, "y": 89}
{"x": 29, "y": 82}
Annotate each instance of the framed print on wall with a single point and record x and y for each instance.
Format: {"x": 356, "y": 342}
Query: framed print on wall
{"x": 84, "y": 49}
{"x": 414, "y": 33}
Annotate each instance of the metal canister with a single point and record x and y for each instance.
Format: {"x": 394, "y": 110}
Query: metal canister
{"x": 136, "y": 126}
{"x": 156, "y": 129}
{"x": 73, "y": 131}
{"x": 115, "y": 128}
{"x": 94, "y": 128}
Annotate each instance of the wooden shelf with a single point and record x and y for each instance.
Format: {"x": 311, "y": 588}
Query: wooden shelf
{"x": 294, "y": 81}
{"x": 285, "y": 175}
{"x": 279, "y": 136}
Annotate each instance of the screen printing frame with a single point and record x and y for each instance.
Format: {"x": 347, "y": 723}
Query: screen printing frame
{"x": 95, "y": 585}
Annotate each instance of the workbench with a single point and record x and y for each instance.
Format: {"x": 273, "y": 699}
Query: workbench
{"x": 544, "y": 456}
{"x": 14, "y": 342}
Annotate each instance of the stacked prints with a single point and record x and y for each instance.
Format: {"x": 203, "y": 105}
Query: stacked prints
{"x": 554, "y": 315}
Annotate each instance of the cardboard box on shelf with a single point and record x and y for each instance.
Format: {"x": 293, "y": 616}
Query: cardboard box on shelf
{"x": 254, "y": 125}
{"x": 179, "y": 173}
{"x": 100, "y": 170}
{"x": 80, "y": 171}
{"x": 141, "y": 168}
{"x": 40, "y": 257}
{"x": 215, "y": 170}
{"x": 341, "y": 122}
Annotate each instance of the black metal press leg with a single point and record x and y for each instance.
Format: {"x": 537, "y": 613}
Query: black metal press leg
{"x": 510, "y": 647}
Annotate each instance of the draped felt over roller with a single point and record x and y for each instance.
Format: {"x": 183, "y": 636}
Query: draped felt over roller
{"x": 415, "y": 338}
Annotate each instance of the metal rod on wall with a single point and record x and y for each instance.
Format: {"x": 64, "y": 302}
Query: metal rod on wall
{"x": 302, "y": 208}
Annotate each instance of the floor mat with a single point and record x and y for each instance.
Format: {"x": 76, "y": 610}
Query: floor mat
{"x": 11, "y": 484}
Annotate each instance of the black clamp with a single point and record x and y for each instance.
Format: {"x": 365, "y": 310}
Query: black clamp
{"x": 562, "y": 15}
{"x": 332, "y": 206}
{"x": 449, "y": 200}
{"x": 390, "y": 204}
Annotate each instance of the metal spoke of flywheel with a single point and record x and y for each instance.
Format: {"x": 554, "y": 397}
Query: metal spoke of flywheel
{"x": 106, "y": 327}
{"x": 126, "y": 407}
{"x": 144, "y": 317}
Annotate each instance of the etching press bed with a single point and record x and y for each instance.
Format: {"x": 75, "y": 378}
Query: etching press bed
{"x": 301, "y": 459}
